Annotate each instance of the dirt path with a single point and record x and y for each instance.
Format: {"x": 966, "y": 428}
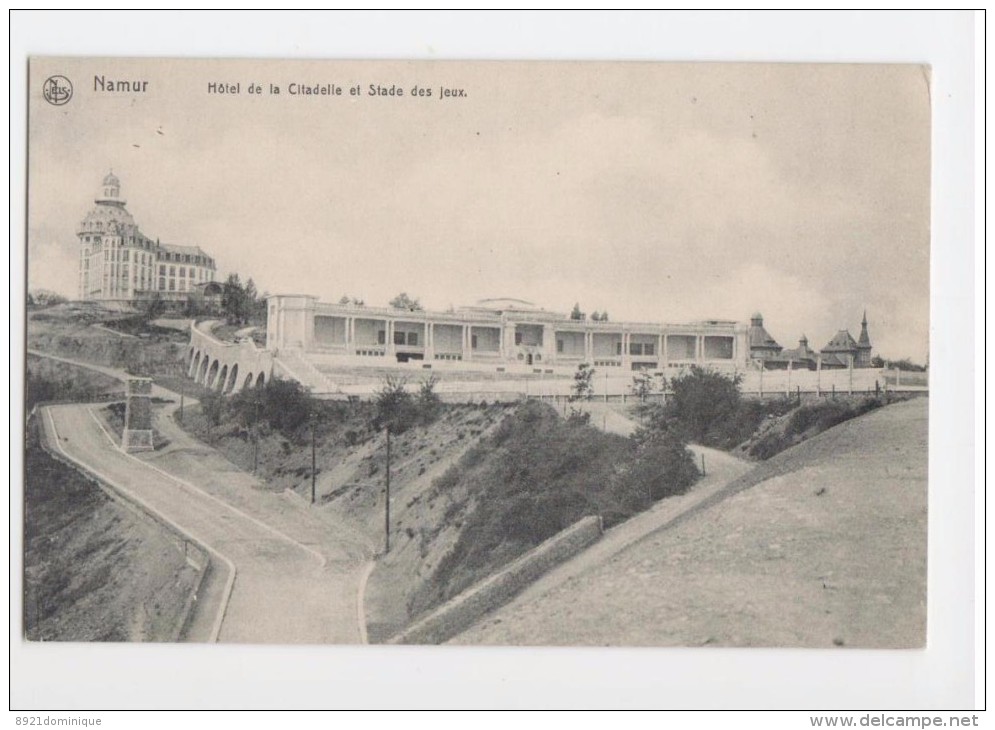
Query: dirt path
{"x": 823, "y": 545}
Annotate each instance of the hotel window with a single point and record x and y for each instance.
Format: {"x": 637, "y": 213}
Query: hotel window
{"x": 413, "y": 339}
{"x": 518, "y": 338}
{"x": 172, "y": 285}
{"x": 473, "y": 342}
{"x": 162, "y": 270}
{"x": 559, "y": 347}
{"x": 398, "y": 338}
{"x": 381, "y": 337}
{"x": 618, "y": 348}
{"x": 183, "y": 272}
{"x": 172, "y": 271}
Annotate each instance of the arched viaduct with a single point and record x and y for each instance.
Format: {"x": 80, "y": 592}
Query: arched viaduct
{"x": 228, "y": 367}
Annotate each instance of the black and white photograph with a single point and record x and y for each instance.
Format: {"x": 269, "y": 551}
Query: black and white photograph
{"x": 477, "y": 353}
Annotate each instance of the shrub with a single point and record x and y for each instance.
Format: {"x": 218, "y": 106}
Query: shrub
{"x": 537, "y": 474}
{"x": 810, "y": 420}
{"x": 399, "y": 410}
{"x": 701, "y": 402}
{"x": 663, "y": 467}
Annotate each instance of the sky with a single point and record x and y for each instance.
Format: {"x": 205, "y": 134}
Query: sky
{"x": 655, "y": 191}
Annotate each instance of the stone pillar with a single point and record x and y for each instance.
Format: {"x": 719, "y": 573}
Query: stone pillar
{"x": 429, "y": 340}
{"x": 663, "y": 351}
{"x": 589, "y": 346}
{"x": 389, "y": 337}
{"x": 137, "y": 434}
{"x": 626, "y": 357}
{"x": 548, "y": 344}
{"x": 508, "y": 341}
{"x": 467, "y": 350}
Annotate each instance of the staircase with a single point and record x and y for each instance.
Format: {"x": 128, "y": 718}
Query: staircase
{"x": 295, "y": 364}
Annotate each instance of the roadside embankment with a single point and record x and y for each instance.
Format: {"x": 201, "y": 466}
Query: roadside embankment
{"x": 462, "y": 611}
{"x": 95, "y": 567}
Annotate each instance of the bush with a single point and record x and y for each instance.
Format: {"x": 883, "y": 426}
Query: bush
{"x": 663, "y": 467}
{"x": 281, "y": 405}
{"x": 810, "y": 420}
{"x": 702, "y": 402}
{"x": 822, "y": 416}
{"x": 706, "y": 407}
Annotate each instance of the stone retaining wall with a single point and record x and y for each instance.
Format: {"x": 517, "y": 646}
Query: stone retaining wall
{"x": 459, "y": 613}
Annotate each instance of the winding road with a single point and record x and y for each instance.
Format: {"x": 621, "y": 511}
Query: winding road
{"x": 282, "y": 572}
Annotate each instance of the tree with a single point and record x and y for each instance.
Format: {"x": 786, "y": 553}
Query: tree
{"x": 877, "y": 362}
{"x": 403, "y": 301}
{"x": 344, "y": 299}
{"x": 428, "y": 399}
{"x": 46, "y": 298}
{"x": 604, "y": 316}
{"x": 583, "y": 387}
{"x": 155, "y": 307}
{"x": 234, "y": 302}
{"x": 395, "y": 409}
{"x": 702, "y": 403}
{"x": 642, "y": 385}
{"x": 575, "y": 313}
{"x": 251, "y": 298}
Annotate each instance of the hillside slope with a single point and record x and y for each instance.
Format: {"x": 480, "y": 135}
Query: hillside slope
{"x": 823, "y": 545}
{"x": 94, "y": 570}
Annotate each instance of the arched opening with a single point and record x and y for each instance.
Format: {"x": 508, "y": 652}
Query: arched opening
{"x": 222, "y": 379}
{"x": 193, "y": 372}
{"x": 248, "y": 382}
{"x": 212, "y": 374}
{"x": 233, "y": 380}
{"x": 261, "y": 380}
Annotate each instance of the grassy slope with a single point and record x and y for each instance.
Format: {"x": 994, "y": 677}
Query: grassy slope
{"x": 533, "y": 475}
{"x": 822, "y": 545}
{"x": 65, "y": 330}
{"x": 94, "y": 570}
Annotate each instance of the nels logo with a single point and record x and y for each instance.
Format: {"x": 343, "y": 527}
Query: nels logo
{"x": 57, "y": 90}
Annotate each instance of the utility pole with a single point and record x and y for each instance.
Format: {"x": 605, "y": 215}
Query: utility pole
{"x": 313, "y": 457}
{"x": 386, "y": 524}
{"x": 255, "y": 440}
{"x": 181, "y": 407}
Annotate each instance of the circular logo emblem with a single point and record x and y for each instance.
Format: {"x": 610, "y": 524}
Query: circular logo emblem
{"x": 57, "y": 90}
